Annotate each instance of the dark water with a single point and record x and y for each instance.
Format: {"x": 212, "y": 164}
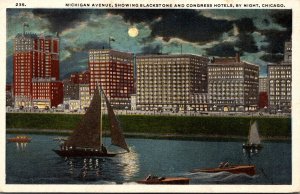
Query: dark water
{"x": 38, "y": 164}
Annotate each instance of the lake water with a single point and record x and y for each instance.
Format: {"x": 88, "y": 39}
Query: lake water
{"x": 36, "y": 163}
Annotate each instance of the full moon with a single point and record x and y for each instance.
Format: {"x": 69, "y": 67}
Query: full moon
{"x": 133, "y": 31}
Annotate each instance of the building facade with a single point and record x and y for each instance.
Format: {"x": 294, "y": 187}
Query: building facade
{"x": 263, "y": 93}
{"x": 280, "y": 83}
{"x": 114, "y": 71}
{"x": 168, "y": 82}
{"x": 9, "y": 96}
{"x": 34, "y": 57}
{"x": 263, "y": 84}
{"x": 84, "y": 96}
{"x": 232, "y": 85}
{"x": 46, "y": 92}
{"x": 76, "y": 87}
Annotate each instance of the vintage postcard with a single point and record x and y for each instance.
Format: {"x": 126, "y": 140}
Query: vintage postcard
{"x": 153, "y": 96}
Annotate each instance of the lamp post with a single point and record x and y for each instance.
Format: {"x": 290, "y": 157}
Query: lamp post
{"x": 126, "y": 107}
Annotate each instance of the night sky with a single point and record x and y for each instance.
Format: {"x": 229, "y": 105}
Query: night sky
{"x": 259, "y": 35}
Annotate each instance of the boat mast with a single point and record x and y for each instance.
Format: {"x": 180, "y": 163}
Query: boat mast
{"x": 249, "y": 132}
{"x": 100, "y": 92}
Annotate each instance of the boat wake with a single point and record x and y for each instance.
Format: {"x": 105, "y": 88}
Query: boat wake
{"x": 219, "y": 178}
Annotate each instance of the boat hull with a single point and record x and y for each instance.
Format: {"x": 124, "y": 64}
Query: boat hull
{"x": 252, "y": 146}
{"x": 83, "y": 153}
{"x": 168, "y": 180}
{"x": 19, "y": 140}
{"x": 236, "y": 169}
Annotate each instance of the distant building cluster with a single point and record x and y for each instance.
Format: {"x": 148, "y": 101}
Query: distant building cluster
{"x": 161, "y": 82}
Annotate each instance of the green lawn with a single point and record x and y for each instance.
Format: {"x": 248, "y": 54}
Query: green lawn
{"x": 238, "y": 126}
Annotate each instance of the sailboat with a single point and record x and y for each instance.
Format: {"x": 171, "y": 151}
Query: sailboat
{"x": 86, "y": 140}
{"x": 254, "y": 142}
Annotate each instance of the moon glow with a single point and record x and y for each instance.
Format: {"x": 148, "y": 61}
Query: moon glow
{"x": 133, "y": 31}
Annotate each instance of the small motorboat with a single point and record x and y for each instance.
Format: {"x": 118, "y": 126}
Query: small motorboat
{"x": 226, "y": 167}
{"x": 164, "y": 180}
{"x": 19, "y": 139}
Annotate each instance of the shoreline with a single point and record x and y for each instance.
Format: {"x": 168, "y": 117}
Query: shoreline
{"x": 192, "y": 137}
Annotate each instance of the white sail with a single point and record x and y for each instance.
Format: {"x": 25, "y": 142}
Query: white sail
{"x": 253, "y": 134}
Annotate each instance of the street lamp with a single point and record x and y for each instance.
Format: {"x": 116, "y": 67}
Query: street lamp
{"x": 126, "y": 107}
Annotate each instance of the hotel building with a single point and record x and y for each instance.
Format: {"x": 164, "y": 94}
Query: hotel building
{"x": 280, "y": 83}
{"x": 232, "y": 85}
{"x": 114, "y": 71}
{"x": 169, "y": 82}
{"x": 35, "y": 57}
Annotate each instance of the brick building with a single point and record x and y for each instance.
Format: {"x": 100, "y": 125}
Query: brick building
{"x": 34, "y": 57}
{"x": 114, "y": 71}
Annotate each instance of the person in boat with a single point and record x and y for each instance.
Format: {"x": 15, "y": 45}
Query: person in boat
{"x": 226, "y": 164}
{"x": 150, "y": 177}
{"x": 103, "y": 148}
{"x": 221, "y": 165}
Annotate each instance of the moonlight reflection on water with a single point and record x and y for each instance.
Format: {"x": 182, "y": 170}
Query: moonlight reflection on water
{"x": 36, "y": 163}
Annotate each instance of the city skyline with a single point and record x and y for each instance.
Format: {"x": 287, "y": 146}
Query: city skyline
{"x": 203, "y": 32}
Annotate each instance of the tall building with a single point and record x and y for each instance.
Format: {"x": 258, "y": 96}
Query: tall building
{"x": 232, "y": 85}
{"x": 34, "y": 57}
{"x": 114, "y": 71}
{"x": 168, "y": 82}
{"x": 280, "y": 83}
{"x": 263, "y": 92}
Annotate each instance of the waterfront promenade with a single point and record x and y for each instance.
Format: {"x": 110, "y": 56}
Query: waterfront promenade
{"x": 162, "y": 113}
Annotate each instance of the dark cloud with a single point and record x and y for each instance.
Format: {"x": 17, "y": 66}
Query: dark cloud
{"x": 152, "y": 49}
{"x": 266, "y": 22}
{"x": 283, "y": 17}
{"x": 246, "y": 43}
{"x": 245, "y": 25}
{"x": 9, "y": 69}
{"x": 95, "y": 45}
{"x": 273, "y": 58}
{"x": 61, "y": 19}
{"x": 77, "y": 62}
{"x": 222, "y": 50}
{"x": 187, "y": 25}
{"x": 275, "y": 40}
{"x": 141, "y": 15}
